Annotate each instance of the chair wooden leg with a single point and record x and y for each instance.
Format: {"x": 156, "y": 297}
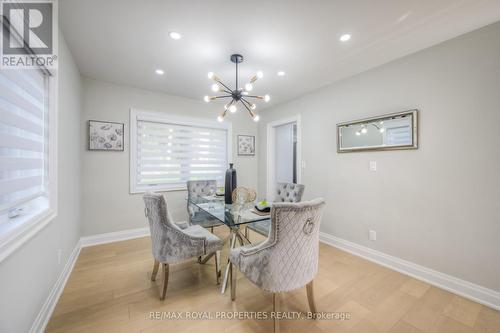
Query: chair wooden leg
{"x": 275, "y": 310}
{"x": 217, "y": 267}
{"x": 310, "y": 297}
{"x": 203, "y": 261}
{"x": 165, "y": 281}
{"x": 232, "y": 276}
{"x": 212, "y": 229}
{"x": 156, "y": 265}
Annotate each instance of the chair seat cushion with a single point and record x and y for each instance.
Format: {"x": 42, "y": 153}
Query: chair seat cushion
{"x": 212, "y": 242}
{"x": 261, "y": 227}
{"x": 182, "y": 225}
{"x": 205, "y": 220}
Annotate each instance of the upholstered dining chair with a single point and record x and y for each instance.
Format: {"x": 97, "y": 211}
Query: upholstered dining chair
{"x": 288, "y": 259}
{"x": 285, "y": 192}
{"x": 171, "y": 244}
{"x": 201, "y": 188}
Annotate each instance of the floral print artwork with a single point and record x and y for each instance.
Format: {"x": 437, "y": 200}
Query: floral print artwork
{"x": 246, "y": 145}
{"x": 105, "y": 135}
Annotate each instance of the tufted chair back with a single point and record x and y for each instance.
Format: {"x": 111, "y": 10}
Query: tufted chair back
{"x": 198, "y": 188}
{"x": 289, "y": 192}
{"x": 169, "y": 243}
{"x": 288, "y": 259}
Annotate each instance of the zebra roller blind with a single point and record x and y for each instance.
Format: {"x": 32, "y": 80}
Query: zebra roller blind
{"x": 168, "y": 154}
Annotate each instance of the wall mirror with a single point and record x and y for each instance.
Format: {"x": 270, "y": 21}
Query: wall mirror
{"x": 387, "y": 132}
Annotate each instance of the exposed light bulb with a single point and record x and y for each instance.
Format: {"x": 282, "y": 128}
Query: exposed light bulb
{"x": 345, "y": 38}
{"x": 175, "y": 35}
{"x": 381, "y": 130}
{"x": 220, "y": 118}
{"x": 206, "y": 99}
{"x": 233, "y": 108}
{"x": 248, "y": 87}
{"x": 267, "y": 98}
{"x": 281, "y": 73}
{"x": 260, "y": 74}
{"x": 215, "y": 87}
{"x": 358, "y": 133}
{"x": 245, "y": 93}
{"x": 253, "y": 106}
{"x": 256, "y": 118}
{"x": 210, "y": 75}
{"x": 159, "y": 71}
{"x": 364, "y": 130}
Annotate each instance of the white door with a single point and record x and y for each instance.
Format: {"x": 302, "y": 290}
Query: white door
{"x": 283, "y": 154}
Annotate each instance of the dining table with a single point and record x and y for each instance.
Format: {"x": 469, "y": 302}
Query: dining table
{"x": 234, "y": 216}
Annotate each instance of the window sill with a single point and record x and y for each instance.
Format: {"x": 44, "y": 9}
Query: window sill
{"x": 141, "y": 191}
{"x": 17, "y": 231}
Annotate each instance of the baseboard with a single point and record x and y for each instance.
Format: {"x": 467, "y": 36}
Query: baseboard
{"x": 111, "y": 237}
{"x": 455, "y": 285}
{"x": 474, "y": 292}
{"x": 43, "y": 317}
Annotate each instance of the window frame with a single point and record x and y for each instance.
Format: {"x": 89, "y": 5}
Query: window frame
{"x": 14, "y": 232}
{"x": 165, "y": 117}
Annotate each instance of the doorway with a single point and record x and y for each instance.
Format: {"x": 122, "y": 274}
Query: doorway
{"x": 283, "y": 153}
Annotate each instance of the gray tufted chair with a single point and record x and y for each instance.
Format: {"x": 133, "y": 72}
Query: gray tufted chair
{"x": 171, "y": 244}
{"x": 289, "y": 192}
{"x": 288, "y": 259}
{"x": 200, "y": 188}
{"x": 285, "y": 192}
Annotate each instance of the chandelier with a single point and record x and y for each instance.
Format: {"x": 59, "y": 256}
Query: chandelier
{"x": 238, "y": 94}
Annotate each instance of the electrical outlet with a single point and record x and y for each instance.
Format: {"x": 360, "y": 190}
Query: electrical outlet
{"x": 372, "y": 234}
{"x": 59, "y": 255}
{"x": 373, "y": 165}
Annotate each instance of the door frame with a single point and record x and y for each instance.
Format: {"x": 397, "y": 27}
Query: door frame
{"x": 271, "y": 163}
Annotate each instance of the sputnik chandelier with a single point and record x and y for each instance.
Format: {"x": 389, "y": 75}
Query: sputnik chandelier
{"x": 239, "y": 94}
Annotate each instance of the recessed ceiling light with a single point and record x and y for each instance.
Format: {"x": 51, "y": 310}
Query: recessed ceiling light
{"x": 159, "y": 71}
{"x": 345, "y": 38}
{"x": 175, "y": 35}
{"x": 281, "y": 73}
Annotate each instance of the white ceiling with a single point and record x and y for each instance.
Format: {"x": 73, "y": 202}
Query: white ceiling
{"x": 124, "y": 41}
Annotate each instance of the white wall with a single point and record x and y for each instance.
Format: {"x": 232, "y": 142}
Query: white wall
{"x": 28, "y": 275}
{"x": 107, "y": 204}
{"x": 437, "y": 206}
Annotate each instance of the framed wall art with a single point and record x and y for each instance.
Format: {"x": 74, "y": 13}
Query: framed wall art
{"x": 105, "y": 135}
{"x": 246, "y": 145}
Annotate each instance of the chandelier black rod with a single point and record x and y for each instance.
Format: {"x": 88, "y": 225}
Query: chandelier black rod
{"x": 253, "y": 96}
{"x": 244, "y": 100}
{"x": 249, "y": 111}
{"x": 236, "y": 75}
{"x": 224, "y": 86}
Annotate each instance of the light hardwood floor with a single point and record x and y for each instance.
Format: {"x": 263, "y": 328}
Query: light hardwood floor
{"x": 110, "y": 290}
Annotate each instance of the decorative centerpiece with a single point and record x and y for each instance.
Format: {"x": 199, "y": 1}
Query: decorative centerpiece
{"x": 263, "y": 206}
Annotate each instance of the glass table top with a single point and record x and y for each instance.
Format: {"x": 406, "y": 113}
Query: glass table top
{"x": 230, "y": 215}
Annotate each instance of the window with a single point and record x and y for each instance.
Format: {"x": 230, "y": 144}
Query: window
{"x": 167, "y": 151}
{"x": 24, "y": 150}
